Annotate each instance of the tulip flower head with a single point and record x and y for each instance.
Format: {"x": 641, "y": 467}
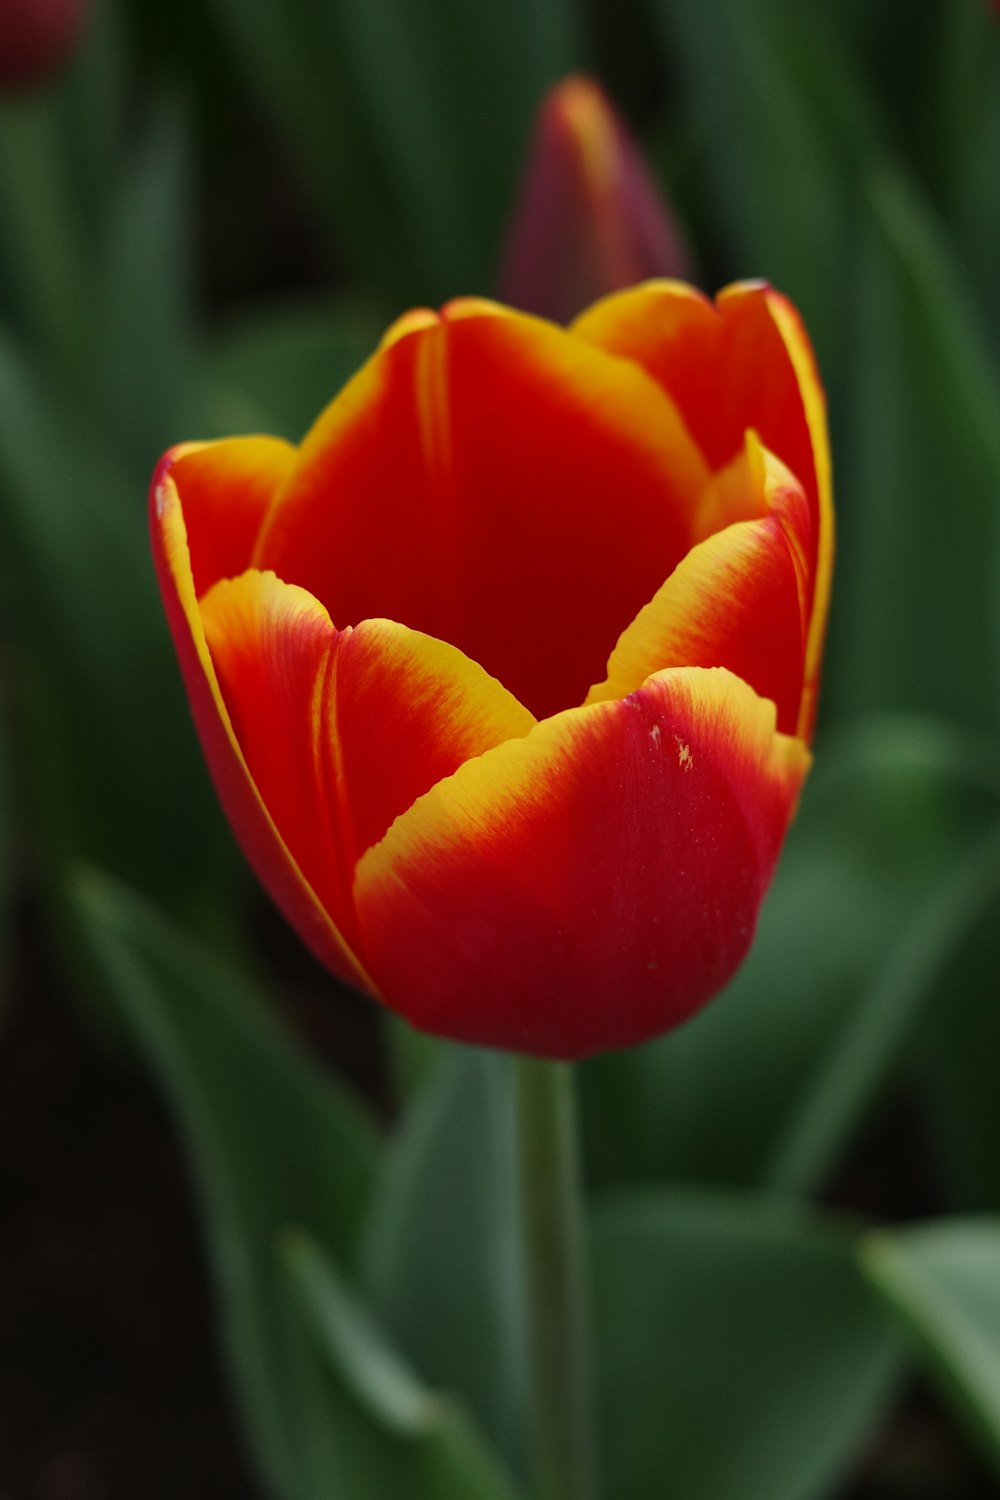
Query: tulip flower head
{"x": 506, "y": 675}
{"x": 589, "y": 218}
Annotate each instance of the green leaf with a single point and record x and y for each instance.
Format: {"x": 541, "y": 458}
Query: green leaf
{"x": 274, "y": 1144}
{"x": 100, "y": 689}
{"x": 867, "y": 1048}
{"x": 944, "y": 88}
{"x": 44, "y": 256}
{"x": 920, "y": 460}
{"x": 943, "y": 1281}
{"x": 58, "y": 147}
{"x": 381, "y": 1431}
{"x": 94, "y": 106}
{"x": 881, "y": 879}
{"x": 443, "y": 1259}
{"x": 969, "y": 120}
{"x": 782, "y": 119}
{"x": 955, "y": 1063}
{"x": 276, "y": 370}
{"x": 414, "y": 1057}
{"x": 740, "y": 1351}
{"x": 409, "y": 120}
{"x": 311, "y": 91}
{"x": 144, "y": 326}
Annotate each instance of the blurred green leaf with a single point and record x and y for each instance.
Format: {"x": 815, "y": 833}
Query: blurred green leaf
{"x": 92, "y": 662}
{"x": 58, "y": 149}
{"x": 93, "y": 104}
{"x": 379, "y": 1430}
{"x": 916, "y": 623}
{"x": 955, "y": 1061}
{"x": 276, "y": 370}
{"x": 868, "y": 1048}
{"x": 969, "y": 120}
{"x": 312, "y": 97}
{"x": 942, "y": 83}
{"x": 883, "y": 874}
{"x": 782, "y": 119}
{"x": 144, "y": 333}
{"x": 943, "y": 1281}
{"x": 443, "y": 1258}
{"x": 413, "y": 1057}
{"x": 740, "y": 1352}
{"x": 274, "y": 1144}
{"x": 409, "y": 120}
{"x": 45, "y": 260}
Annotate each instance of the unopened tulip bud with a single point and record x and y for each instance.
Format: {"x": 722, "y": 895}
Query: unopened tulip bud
{"x": 590, "y": 219}
{"x": 36, "y": 38}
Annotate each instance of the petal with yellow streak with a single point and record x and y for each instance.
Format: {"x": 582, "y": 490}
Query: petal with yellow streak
{"x": 227, "y": 488}
{"x": 251, "y": 820}
{"x": 743, "y": 362}
{"x": 493, "y": 482}
{"x": 590, "y": 885}
{"x": 342, "y": 730}
{"x": 740, "y": 599}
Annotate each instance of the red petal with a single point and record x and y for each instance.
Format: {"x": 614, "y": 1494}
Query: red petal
{"x": 742, "y": 363}
{"x": 592, "y": 884}
{"x": 496, "y": 483}
{"x": 342, "y": 730}
{"x": 739, "y": 599}
{"x": 726, "y": 365}
{"x": 227, "y": 488}
{"x": 251, "y": 820}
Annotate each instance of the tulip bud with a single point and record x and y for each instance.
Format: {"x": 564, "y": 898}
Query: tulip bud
{"x": 590, "y": 219}
{"x": 36, "y": 38}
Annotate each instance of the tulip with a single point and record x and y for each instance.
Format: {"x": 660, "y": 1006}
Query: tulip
{"x": 36, "y": 38}
{"x": 506, "y": 676}
{"x": 589, "y": 218}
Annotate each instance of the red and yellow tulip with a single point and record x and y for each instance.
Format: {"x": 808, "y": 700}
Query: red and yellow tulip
{"x": 506, "y": 675}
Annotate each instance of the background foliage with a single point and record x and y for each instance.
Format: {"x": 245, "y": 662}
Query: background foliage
{"x": 204, "y": 224}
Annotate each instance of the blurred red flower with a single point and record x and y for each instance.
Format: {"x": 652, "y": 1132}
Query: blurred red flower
{"x": 589, "y": 218}
{"x": 36, "y": 38}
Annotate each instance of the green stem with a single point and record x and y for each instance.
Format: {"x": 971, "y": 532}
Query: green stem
{"x": 552, "y": 1218}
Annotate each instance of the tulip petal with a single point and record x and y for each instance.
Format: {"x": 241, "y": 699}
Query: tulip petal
{"x": 480, "y": 477}
{"x": 726, "y": 364}
{"x": 259, "y": 838}
{"x": 590, "y": 885}
{"x": 739, "y": 599}
{"x": 227, "y": 487}
{"x": 804, "y": 362}
{"x": 744, "y": 362}
{"x": 342, "y": 730}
